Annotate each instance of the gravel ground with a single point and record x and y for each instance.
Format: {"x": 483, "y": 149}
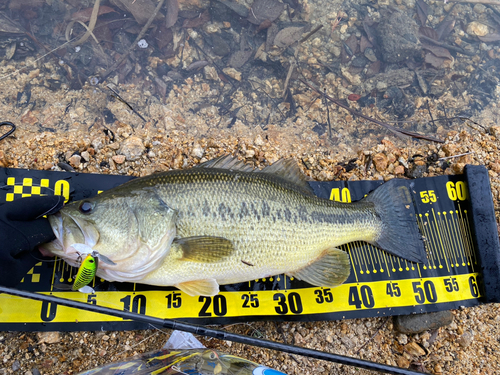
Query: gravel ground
{"x": 184, "y": 129}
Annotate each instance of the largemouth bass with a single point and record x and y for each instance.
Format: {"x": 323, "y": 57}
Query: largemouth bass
{"x": 223, "y": 223}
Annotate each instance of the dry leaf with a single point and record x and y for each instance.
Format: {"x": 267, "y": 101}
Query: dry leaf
{"x": 422, "y": 11}
{"x": 265, "y": 10}
{"x": 428, "y": 32}
{"x": 494, "y": 37}
{"x": 445, "y": 28}
{"x": 436, "y": 62}
{"x": 288, "y": 36}
{"x": 438, "y": 51}
{"x": 172, "y": 13}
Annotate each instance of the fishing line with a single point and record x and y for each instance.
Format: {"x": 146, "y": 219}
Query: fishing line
{"x": 218, "y": 334}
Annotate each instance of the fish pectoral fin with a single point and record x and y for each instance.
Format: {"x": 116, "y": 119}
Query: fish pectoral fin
{"x": 204, "y": 249}
{"x": 331, "y": 269}
{"x": 206, "y": 287}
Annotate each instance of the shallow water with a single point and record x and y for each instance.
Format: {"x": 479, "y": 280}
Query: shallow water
{"x": 241, "y": 69}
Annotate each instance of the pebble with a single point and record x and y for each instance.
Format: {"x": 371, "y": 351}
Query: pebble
{"x": 16, "y": 365}
{"x": 119, "y": 159}
{"x": 132, "y": 148}
{"x": 414, "y": 349}
{"x": 465, "y": 339}
{"x": 380, "y": 162}
{"x": 403, "y": 362}
{"x": 197, "y": 151}
{"x": 411, "y": 324}
{"x": 86, "y": 156}
{"x": 75, "y": 161}
{"x": 477, "y": 29}
{"x": 51, "y": 337}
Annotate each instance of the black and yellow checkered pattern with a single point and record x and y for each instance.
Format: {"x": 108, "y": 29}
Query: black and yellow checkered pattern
{"x": 26, "y": 189}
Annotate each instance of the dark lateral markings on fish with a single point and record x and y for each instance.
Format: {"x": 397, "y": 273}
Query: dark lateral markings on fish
{"x": 379, "y": 283}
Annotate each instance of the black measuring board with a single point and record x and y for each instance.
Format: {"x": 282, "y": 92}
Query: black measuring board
{"x": 379, "y": 284}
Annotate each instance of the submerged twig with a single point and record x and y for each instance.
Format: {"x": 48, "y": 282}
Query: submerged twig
{"x": 385, "y": 125}
{"x": 456, "y": 156}
{"x": 125, "y": 102}
{"x": 446, "y": 45}
{"x": 132, "y": 46}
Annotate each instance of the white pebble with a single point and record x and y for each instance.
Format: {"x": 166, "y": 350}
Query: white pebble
{"x": 142, "y": 43}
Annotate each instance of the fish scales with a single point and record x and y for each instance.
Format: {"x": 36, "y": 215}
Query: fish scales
{"x": 223, "y": 223}
{"x": 274, "y": 226}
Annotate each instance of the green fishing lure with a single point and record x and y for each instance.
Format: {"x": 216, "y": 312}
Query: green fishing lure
{"x": 86, "y": 271}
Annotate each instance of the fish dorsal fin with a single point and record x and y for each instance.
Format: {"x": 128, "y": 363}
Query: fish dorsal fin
{"x": 227, "y": 162}
{"x": 203, "y": 249}
{"x": 206, "y": 287}
{"x": 331, "y": 269}
{"x": 290, "y": 171}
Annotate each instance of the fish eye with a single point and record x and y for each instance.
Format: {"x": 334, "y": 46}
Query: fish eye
{"x": 86, "y": 207}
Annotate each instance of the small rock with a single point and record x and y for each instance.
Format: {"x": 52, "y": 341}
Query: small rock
{"x": 105, "y": 338}
{"x": 399, "y": 170}
{"x": 466, "y": 339}
{"x": 86, "y": 155}
{"x": 16, "y": 366}
{"x": 47, "y": 166}
{"x": 102, "y": 352}
{"x": 495, "y": 167}
{"x": 380, "y": 162}
{"x": 35, "y": 371}
{"x": 258, "y": 141}
{"x": 34, "y": 73}
{"x": 233, "y": 73}
{"x": 414, "y": 349}
{"x": 250, "y": 153}
{"x": 416, "y": 171}
{"x": 119, "y": 159}
{"x": 3, "y": 159}
{"x": 438, "y": 369}
{"x": 403, "y": 362}
{"x": 132, "y": 148}
{"x": 495, "y": 131}
{"x": 477, "y": 29}
{"x": 402, "y": 339}
{"x": 411, "y": 324}
{"x": 458, "y": 168}
{"x": 398, "y": 38}
{"x": 48, "y": 337}
{"x": 197, "y": 151}
{"x": 75, "y": 161}
{"x": 370, "y": 54}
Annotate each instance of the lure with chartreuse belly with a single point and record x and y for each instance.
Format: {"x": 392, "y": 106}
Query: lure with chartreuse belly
{"x": 87, "y": 271}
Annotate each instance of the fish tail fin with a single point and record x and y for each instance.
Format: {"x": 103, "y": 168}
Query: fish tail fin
{"x": 400, "y": 234}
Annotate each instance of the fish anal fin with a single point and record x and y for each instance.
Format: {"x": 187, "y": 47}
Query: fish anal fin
{"x": 204, "y": 249}
{"x": 331, "y": 269}
{"x": 205, "y": 287}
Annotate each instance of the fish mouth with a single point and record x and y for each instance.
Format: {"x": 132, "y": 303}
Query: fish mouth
{"x": 69, "y": 230}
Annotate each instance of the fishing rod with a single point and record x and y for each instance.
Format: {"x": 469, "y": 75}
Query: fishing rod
{"x": 215, "y": 333}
